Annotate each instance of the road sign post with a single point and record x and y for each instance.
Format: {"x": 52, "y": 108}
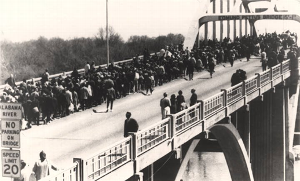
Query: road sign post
{"x": 10, "y": 115}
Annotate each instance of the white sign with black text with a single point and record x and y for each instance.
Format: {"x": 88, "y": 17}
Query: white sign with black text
{"x": 10, "y": 111}
{"x": 11, "y": 163}
{"x": 10, "y": 133}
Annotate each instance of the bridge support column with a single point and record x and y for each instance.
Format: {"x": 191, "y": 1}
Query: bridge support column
{"x": 278, "y": 134}
{"x": 244, "y": 128}
{"x": 269, "y": 138}
{"x": 260, "y": 126}
{"x": 241, "y": 120}
{"x": 234, "y": 151}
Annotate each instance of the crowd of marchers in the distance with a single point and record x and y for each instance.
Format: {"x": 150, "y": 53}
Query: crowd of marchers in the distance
{"x": 50, "y": 99}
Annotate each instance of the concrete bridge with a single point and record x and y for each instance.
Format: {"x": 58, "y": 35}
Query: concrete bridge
{"x": 250, "y": 120}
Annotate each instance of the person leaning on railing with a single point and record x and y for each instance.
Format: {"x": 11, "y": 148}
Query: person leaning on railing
{"x": 130, "y": 125}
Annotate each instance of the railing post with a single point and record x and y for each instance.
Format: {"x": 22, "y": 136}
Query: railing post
{"x": 294, "y": 66}
{"x": 225, "y": 97}
{"x": 271, "y": 78}
{"x": 201, "y": 116}
{"x": 244, "y": 92}
{"x": 79, "y": 172}
{"x": 244, "y": 88}
{"x": 133, "y": 150}
{"x": 258, "y": 80}
{"x": 271, "y": 73}
{"x": 172, "y": 129}
{"x": 258, "y": 83}
{"x": 225, "y": 101}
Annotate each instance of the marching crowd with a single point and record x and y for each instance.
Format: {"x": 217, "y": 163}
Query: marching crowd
{"x": 48, "y": 99}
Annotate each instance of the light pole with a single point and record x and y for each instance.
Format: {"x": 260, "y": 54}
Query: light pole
{"x": 107, "y": 37}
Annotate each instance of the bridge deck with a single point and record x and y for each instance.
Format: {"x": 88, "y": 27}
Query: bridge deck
{"x": 85, "y": 133}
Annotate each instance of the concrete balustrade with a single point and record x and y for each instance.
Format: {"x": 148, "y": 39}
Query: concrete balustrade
{"x": 68, "y": 174}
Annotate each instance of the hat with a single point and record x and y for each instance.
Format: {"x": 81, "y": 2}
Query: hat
{"x": 43, "y": 154}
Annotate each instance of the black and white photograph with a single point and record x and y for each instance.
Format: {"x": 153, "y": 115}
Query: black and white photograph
{"x": 149, "y": 90}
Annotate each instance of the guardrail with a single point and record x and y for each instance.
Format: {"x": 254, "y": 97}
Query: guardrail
{"x": 108, "y": 160}
{"x": 178, "y": 128}
{"x": 69, "y": 174}
{"x": 152, "y": 136}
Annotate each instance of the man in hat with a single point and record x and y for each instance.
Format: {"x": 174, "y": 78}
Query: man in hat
{"x": 42, "y": 167}
{"x": 130, "y": 125}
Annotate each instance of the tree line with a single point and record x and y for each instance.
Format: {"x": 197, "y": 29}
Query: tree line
{"x": 29, "y": 59}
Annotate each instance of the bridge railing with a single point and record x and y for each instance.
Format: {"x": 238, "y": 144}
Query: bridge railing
{"x": 152, "y": 136}
{"x": 285, "y": 66}
{"x": 251, "y": 84}
{"x": 209, "y": 111}
{"x": 234, "y": 93}
{"x": 69, "y": 174}
{"x": 265, "y": 77}
{"x": 276, "y": 71}
{"x": 187, "y": 118}
{"x": 107, "y": 160}
{"x": 213, "y": 104}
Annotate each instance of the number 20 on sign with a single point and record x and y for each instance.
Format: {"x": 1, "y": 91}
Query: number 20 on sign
{"x": 11, "y": 163}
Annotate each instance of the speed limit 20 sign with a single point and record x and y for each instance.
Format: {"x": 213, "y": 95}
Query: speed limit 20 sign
{"x": 11, "y": 163}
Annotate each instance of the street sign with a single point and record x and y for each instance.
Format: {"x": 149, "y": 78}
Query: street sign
{"x": 11, "y": 163}
{"x": 10, "y": 111}
{"x": 10, "y": 133}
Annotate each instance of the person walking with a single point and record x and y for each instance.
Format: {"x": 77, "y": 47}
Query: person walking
{"x": 173, "y": 108}
{"x": 130, "y": 125}
{"x": 180, "y": 101}
{"x": 84, "y": 94}
{"x": 264, "y": 61}
{"x": 148, "y": 83}
{"x": 194, "y": 97}
{"x": 211, "y": 65}
{"x": 110, "y": 97}
{"x": 42, "y": 167}
{"x": 165, "y": 106}
{"x": 190, "y": 67}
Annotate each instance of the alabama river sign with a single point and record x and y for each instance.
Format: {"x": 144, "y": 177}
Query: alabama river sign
{"x": 10, "y": 111}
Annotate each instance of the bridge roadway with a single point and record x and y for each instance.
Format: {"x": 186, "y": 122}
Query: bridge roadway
{"x": 86, "y": 133}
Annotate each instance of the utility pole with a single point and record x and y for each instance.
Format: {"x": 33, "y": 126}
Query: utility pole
{"x": 107, "y": 37}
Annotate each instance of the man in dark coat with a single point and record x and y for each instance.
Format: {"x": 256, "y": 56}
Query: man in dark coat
{"x": 130, "y": 125}
{"x": 193, "y": 99}
{"x": 235, "y": 78}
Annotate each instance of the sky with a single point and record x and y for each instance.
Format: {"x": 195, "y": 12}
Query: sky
{"x": 23, "y": 20}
